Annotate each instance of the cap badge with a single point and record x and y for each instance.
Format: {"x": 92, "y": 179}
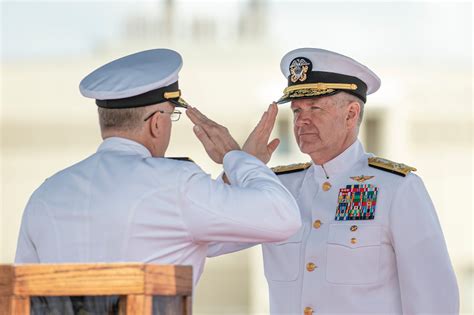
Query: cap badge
{"x": 298, "y": 69}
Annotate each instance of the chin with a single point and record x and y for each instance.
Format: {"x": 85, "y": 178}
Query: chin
{"x": 307, "y": 148}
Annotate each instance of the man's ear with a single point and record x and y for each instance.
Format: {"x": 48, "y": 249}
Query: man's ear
{"x": 155, "y": 128}
{"x": 353, "y": 112}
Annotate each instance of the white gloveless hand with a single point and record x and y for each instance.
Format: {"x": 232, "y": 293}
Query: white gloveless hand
{"x": 216, "y": 139}
{"x": 257, "y": 142}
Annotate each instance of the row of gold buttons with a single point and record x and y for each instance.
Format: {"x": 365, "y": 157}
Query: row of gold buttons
{"x": 317, "y": 224}
{"x": 353, "y": 229}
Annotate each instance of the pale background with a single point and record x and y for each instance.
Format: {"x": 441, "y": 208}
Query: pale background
{"x": 421, "y": 116}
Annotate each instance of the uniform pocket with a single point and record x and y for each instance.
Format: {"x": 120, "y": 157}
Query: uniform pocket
{"x": 353, "y": 253}
{"x": 282, "y": 259}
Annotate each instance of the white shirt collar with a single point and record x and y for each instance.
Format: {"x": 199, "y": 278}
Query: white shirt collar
{"x": 123, "y": 144}
{"x": 340, "y": 163}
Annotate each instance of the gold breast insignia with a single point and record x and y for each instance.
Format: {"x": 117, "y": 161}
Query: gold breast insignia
{"x": 361, "y": 178}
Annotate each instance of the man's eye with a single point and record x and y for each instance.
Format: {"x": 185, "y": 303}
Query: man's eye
{"x": 315, "y": 107}
{"x": 296, "y": 110}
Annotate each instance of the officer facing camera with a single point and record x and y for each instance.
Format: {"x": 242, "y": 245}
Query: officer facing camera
{"x": 370, "y": 242}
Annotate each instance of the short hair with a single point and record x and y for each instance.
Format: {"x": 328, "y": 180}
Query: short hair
{"x": 345, "y": 98}
{"x": 121, "y": 119}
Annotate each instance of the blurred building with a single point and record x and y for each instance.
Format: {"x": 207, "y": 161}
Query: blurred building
{"x": 422, "y": 116}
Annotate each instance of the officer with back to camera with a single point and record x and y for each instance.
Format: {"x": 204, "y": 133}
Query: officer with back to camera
{"x": 127, "y": 202}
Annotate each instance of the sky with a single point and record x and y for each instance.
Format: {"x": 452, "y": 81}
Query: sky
{"x": 441, "y": 29}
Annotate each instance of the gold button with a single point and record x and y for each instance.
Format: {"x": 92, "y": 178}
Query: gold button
{"x": 353, "y": 228}
{"x": 310, "y": 266}
{"x": 326, "y": 186}
{"x": 353, "y": 240}
{"x": 308, "y": 310}
{"x": 317, "y": 224}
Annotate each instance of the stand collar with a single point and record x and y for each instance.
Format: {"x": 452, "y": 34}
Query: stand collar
{"x": 340, "y": 163}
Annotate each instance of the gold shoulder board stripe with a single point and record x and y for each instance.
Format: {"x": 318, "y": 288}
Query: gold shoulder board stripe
{"x": 390, "y": 166}
{"x": 286, "y": 169}
{"x": 181, "y": 159}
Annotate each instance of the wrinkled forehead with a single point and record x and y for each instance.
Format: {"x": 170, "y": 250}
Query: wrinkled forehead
{"x": 319, "y": 101}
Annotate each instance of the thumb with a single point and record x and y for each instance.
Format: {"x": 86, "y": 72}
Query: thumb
{"x": 273, "y": 145}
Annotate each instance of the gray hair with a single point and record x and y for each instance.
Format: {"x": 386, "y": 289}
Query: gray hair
{"x": 346, "y": 98}
{"x": 121, "y": 119}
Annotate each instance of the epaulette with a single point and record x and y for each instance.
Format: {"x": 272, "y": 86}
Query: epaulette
{"x": 292, "y": 168}
{"x": 389, "y": 166}
{"x": 181, "y": 159}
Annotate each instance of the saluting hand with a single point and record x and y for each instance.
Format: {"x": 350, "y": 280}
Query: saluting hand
{"x": 257, "y": 142}
{"x": 216, "y": 139}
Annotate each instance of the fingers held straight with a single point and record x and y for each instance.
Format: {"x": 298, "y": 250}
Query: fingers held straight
{"x": 203, "y": 137}
{"x": 193, "y": 116}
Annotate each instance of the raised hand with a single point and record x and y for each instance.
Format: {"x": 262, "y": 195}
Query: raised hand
{"x": 257, "y": 142}
{"x": 216, "y": 139}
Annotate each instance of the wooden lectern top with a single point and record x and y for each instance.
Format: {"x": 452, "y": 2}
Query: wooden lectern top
{"x": 127, "y": 279}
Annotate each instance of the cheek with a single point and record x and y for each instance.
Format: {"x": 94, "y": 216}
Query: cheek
{"x": 336, "y": 128}
{"x": 295, "y": 132}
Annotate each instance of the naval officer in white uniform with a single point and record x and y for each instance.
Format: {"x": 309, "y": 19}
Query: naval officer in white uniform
{"x": 371, "y": 242}
{"x": 126, "y": 202}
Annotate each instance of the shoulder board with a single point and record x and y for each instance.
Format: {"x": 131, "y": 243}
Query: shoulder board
{"x": 181, "y": 159}
{"x": 389, "y": 166}
{"x": 292, "y": 168}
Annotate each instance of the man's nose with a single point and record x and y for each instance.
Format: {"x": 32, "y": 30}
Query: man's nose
{"x": 302, "y": 119}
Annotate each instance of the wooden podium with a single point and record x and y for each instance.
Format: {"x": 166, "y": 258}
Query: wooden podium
{"x": 138, "y": 285}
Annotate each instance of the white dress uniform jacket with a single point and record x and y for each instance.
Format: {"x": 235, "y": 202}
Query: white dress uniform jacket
{"x": 395, "y": 263}
{"x": 121, "y": 204}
